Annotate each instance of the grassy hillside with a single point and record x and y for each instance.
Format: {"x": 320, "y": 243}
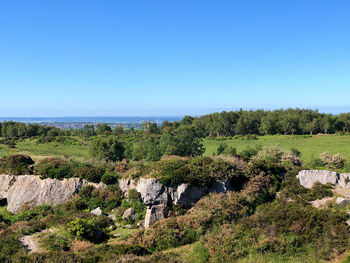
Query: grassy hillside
{"x": 308, "y": 146}
{"x": 75, "y": 149}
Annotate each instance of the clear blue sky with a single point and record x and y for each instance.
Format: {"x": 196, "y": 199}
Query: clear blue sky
{"x": 169, "y": 57}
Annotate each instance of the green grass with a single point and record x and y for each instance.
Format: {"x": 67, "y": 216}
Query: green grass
{"x": 37, "y": 151}
{"x": 309, "y": 147}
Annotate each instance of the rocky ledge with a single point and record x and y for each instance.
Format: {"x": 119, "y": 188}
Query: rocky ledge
{"x": 308, "y": 178}
{"x": 32, "y": 191}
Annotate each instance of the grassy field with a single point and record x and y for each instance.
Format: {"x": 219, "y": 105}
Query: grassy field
{"x": 309, "y": 147}
{"x": 37, "y": 151}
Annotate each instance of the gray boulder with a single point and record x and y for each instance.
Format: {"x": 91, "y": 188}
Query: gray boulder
{"x": 154, "y": 213}
{"x": 308, "y": 178}
{"x": 129, "y": 214}
{"x": 126, "y": 184}
{"x": 6, "y": 181}
{"x": 342, "y": 201}
{"x": 97, "y": 211}
{"x": 33, "y": 191}
{"x": 344, "y": 180}
{"x": 152, "y": 192}
{"x": 221, "y": 186}
{"x": 187, "y": 195}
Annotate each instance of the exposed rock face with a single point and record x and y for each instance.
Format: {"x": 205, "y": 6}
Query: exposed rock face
{"x": 152, "y": 192}
{"x": 129, "y": 214}
{"x": 156, "y": 196}
{"x": 342, "y": 201}
{"x": 126, "y": 184}
{"x": 344, "y": 180}
{"x": 6, "y": 181}
{"x": 154, "y": 213}
{"x": 307, "y": 178}
{"x": 97, "y": 211}
{"x": 33, "y": 191}
{"x": 187, "y": 195}
{"x": 221, "y": 186}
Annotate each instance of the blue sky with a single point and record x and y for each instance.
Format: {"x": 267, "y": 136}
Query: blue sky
{"x": 76, "y": 58}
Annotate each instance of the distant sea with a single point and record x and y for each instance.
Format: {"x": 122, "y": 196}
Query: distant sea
{"x": 136, "y": 119}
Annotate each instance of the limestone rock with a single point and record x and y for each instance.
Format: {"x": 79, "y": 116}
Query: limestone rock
{"x": 307, "y": 178}
{"x": 97, "y": 211}
{"x": 344, "y": 180}
{"x": 342, "y": 201}
{"x": 155, "y": 213}
{"x": 33, "y": 191}
{"x": 126, "y": 184}
{"x": 6, "y": 181}
{"x": 113, "y": 217}
{"x": 187, "y": 195}
{"x": 152, "y": 192}
{"x": 321, "y": 203}
{"x": 221, "y": 186}
{"x": 129, "y": 214}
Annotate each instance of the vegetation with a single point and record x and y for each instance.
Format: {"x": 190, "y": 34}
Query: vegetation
{"x": 267, "y": 218}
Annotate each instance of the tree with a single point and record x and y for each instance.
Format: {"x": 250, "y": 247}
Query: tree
{"x": 107, "y": 149}
{"x": 183, "y": 141}
{"x": 103, "y": 129}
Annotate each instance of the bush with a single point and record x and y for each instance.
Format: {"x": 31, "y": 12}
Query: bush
{"x": 16, "y": 164}
{"x": 107, "y": 149}
{"x": 82, "y": 229}
{"x": 335, "y": 161}
{"x": 271, "y": 154}
{"x": 109, "y": 178}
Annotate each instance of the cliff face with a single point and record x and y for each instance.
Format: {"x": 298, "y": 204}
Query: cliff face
{"x": 31, "y": 190}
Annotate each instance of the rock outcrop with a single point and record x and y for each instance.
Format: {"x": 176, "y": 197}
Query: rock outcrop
{"x": 6, "y": 181}
{"x": 154, "y": 213}
{"x": 157, "y": 196}
{"x": 308, "y": 178}
{"x": 30, "y": 190}
{"x": 152, "y": 192}
{"x": 126, "y": 184}
{"x": 186, "y": 195}
{"x": 97, "y": 211}
{"x": 129, "y": 214}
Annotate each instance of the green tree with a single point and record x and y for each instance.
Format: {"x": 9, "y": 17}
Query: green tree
{"x": 107, "y": 149}
{"x": 103, "y": 129}
{"x": 183, "y": 141}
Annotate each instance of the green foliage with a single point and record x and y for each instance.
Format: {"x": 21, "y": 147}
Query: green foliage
{"x": 54, "y": 242}
{"x": 107, "y": 149}
{"x": 16, "y": 164}
{"x": 109, "y": 178}
{"x": 183, "y": 141}
{"x": 82, "y": 229}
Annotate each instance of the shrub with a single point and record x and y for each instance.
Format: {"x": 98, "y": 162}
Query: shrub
{"x": 54, "y": 242}
{"x": 16, "y": 164}
{"x": 89, "y": 172}
{"x": 109, "y": 178}
{"x": 271, "y": 154}
{"x": 335, "y": 161}
{"x": 107, "y": 149}
{"x": 82, "y": 229}
{"x": 292, "y": 158}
